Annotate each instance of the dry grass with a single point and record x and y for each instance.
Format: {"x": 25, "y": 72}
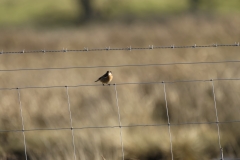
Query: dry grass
{"x": 139, "y": 104}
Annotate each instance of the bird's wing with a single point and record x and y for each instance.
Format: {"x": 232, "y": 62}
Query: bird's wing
{"x": 104, "y": 76}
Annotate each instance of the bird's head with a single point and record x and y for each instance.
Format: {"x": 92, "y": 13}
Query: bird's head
{"x": 109, "y": 72}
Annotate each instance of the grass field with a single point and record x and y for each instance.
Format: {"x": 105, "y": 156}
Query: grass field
{"x": 50, "y": 25}
{"x": 139, "y": 104}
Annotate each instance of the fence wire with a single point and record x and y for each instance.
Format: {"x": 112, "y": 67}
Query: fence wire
{"x": 150, "y": 47}
{"x": 216, "y": 112}
{"x": 169, "y": 127}
{"x": 123, "y": 126}
{"x": 119, "y": 120}
{"x": 124, "y": 83}
{"x": 23, "y": 128}
{"x": 71, "y": 123}
{"x": 118, "y": 66}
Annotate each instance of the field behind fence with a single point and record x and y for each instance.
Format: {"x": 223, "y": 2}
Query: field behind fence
{"x": 163, "y": 103}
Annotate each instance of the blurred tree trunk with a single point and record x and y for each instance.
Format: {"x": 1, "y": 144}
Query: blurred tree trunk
{"x": 87, "y": 8}
{"x": 194, "y": 5}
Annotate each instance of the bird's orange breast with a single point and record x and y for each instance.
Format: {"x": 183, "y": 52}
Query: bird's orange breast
{"x": 107, "y": 79}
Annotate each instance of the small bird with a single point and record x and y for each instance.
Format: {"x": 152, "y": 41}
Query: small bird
{"x": 106, "y": 78}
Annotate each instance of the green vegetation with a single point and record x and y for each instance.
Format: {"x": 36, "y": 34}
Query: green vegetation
{"x": 66, "y": 12}
{"x": 25, "y": 12}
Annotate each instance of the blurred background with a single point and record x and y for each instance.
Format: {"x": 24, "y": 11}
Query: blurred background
{"x": 75, "y": 24}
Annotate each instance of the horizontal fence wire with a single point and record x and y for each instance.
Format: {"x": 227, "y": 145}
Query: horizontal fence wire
{"x": 86, "y": 49}
{"x": 122, "y": 126}
{"x": 126, "y": 83}
{"x": 121, "y": 65}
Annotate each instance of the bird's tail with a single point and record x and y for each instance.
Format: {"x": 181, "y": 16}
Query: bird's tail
{"x": 97, "y": 80}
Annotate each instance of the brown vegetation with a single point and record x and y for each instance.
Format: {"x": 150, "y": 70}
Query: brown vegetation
{"x": 139, "y": 104}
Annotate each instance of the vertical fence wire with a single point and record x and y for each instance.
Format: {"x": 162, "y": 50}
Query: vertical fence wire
{"x": 217, "y": 121}
{"x": 24, "y": 138}
{"x": 119, "y": 120}
{"x": 169, "y": 127}
{"x": 70, "y": 116}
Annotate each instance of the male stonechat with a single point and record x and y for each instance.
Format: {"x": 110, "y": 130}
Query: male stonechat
{"x": 106, "y": 78}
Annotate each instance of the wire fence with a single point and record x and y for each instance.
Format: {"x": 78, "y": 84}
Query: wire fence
{"x": 120, "y": 126}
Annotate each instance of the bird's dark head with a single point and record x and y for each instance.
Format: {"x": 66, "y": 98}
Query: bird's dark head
{"x": 109, "y": 72}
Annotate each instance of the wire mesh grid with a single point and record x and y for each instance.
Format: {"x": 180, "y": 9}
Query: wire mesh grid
{"x": 120, "y": 126}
